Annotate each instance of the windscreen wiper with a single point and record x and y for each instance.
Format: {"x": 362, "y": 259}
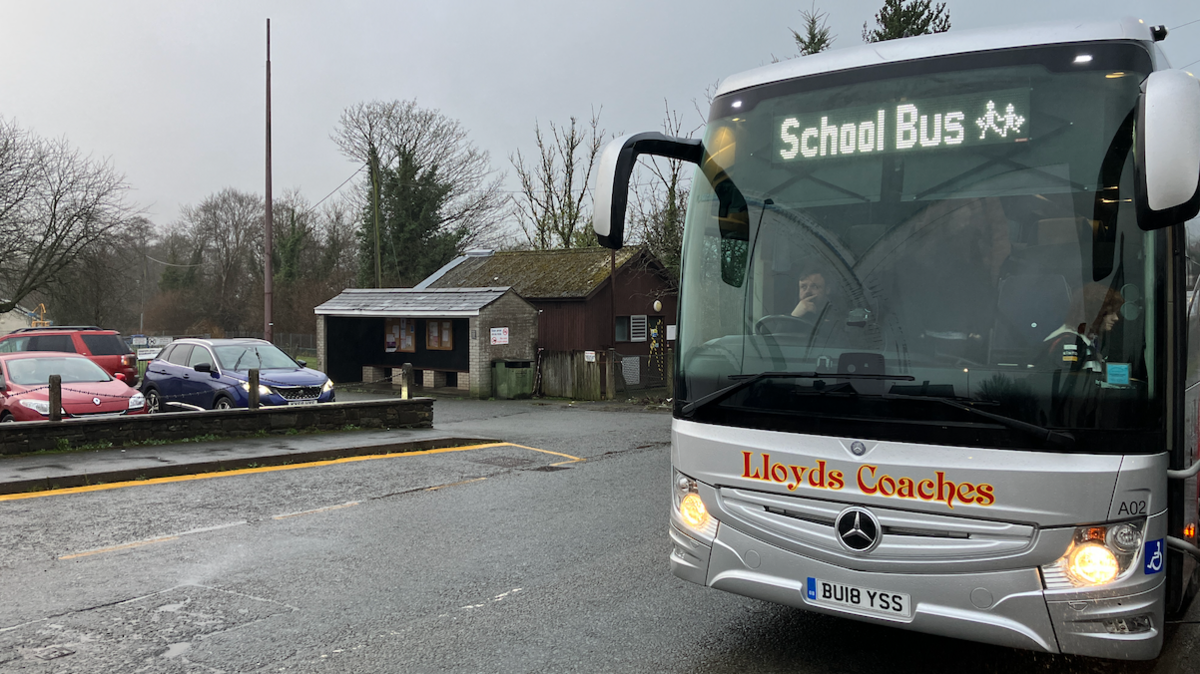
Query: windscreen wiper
{"x": 744, "y": 380}
{"x": 1057, "y": 438}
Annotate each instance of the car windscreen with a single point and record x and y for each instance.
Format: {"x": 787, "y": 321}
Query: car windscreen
{"x": 955, "y": 229}
{"x": 105, "y": 345}
{"x": 37, "y": 371}
{"x": 249, "y": 356}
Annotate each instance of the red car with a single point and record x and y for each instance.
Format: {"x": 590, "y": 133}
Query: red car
{"x": 87, "y": 390}
{"x": 103, "y": 347}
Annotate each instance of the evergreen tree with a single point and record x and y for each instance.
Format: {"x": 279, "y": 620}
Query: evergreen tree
{"x": 906, "y": 18}
{"x": 816, "y": 37}
{"x": 414, "y": 242}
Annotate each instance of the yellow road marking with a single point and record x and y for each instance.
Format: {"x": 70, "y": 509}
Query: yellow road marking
{"x": 267, "y": 469}
{"x": 572, "y": 459}
{"x": 123, "y": 546}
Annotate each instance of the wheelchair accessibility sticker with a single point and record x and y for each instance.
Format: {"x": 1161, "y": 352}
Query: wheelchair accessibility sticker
{"x": 1155, "y": 556}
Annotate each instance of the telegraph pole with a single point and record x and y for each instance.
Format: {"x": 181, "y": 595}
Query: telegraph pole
{"x": 268, "y": 272}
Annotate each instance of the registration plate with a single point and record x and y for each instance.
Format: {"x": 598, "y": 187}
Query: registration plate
{"x": 302, "y": 402}
{"x": 858, "y": 599}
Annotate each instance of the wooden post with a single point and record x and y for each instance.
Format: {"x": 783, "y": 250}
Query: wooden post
{"x": 254, "y": 388}
{"x": 406, "y": 381}
{"x": 55, "y": 397}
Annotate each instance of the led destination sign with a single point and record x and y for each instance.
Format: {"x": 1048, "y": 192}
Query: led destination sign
{"x": 910, "y": 126}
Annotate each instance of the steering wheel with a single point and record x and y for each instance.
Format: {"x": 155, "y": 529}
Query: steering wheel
{"x": 782, "y": 324}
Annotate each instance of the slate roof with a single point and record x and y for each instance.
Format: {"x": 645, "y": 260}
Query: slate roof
{"x": 414, "y": 302}
{"x": 535, "y": 274}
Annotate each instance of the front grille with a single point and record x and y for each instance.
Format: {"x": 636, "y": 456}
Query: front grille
{"x": 298, "y": 392}
{"x": 806, "y": 526}
{"x": 96, "y": 415}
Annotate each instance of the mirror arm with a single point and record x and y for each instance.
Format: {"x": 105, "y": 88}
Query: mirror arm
{"x": 616, "y": 166}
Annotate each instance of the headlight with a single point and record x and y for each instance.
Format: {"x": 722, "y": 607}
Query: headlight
{"x": 137, "y": 401}
{"x": 689, "y": 512}
{"x": 1101, "y": 554}
{"x": 263, "y": 389}
{"x": 328, "y": 386}
{"x": 40, "y": 406}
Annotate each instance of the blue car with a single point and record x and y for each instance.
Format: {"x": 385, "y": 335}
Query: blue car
{"x": 213, "y": 374}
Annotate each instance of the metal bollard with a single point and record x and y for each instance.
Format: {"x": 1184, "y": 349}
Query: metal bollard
{"x": 406, "y": 381}
{"x": 55, "y": 397}
{"x": 254, "y": 388}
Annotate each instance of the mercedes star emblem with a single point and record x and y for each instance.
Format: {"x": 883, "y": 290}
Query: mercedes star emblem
{"x": 857, "y": 530}
{"x": 96, "y": 401}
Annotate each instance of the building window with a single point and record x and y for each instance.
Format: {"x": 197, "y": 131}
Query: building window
{"x": 439, "y": 336}
{"x": 622, "y": 328}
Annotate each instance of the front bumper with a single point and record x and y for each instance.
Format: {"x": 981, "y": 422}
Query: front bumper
{"x": 1006, "y": 608}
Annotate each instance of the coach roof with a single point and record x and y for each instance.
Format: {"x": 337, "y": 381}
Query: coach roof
{"x": 939, "y": 44}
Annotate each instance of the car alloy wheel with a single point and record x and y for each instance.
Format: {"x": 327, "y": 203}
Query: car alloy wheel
{"x": 223, "y": 403}
{"x": 152, "y": 401}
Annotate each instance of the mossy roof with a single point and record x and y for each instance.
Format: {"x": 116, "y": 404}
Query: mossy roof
{"x": 538, "y": 274}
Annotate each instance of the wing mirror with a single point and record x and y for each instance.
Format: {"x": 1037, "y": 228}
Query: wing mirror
{"x": 120, "y": 376}
{"x": 203, "y": 367}
{"x": 303, "y": 363}
{"x": 612, "y": 177}
{"x": 1168, "y": 150}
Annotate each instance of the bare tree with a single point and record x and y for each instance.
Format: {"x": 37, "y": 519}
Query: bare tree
{"x": 554, "y": 204}
{"x": 86, "y": 290}
{"x": 226, "y": 229}
{"x": 660, "y": 200}
{"x": 391, "y": 129}
{"x": 54, "y": 203}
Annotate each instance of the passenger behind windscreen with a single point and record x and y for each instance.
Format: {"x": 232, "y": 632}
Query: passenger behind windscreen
{"x": 1076, "y": 345}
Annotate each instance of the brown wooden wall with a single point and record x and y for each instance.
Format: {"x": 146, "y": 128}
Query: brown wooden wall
{"x": 587, "y": 325}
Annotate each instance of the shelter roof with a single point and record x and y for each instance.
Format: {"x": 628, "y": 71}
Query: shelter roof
{"x": 426, "y": 302}
{"x": 535, "y": 274}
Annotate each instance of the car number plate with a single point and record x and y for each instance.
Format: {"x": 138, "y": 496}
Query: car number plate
{"x": 858, "y": 599}
{"x": 302, "y": 402}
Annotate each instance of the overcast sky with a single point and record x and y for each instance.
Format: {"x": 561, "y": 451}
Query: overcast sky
{"x": 173, "y": 92}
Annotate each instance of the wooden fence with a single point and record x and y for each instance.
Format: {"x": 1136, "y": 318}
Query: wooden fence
{"x": 569, "y": 374}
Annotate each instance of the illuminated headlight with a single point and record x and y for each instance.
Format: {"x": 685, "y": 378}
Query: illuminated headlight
{"x": 263, "y": 389}
{"x": 328, "y": 386}
{"x": 1101, "y": 554}
{"x": 137, "y": 401}
{"x": 689, "y": 513}
{"x": 42, "y": 407}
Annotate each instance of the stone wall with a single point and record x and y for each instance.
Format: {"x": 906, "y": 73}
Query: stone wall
{"x": 31, "y": 436}
{"x": 508, "y": 311}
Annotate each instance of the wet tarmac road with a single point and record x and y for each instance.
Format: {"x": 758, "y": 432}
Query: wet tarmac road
{"x": 492, "y": 559}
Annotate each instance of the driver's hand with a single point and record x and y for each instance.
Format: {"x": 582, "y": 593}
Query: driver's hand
{"x": 805, "y": 306}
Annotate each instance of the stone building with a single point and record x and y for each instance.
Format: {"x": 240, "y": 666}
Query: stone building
{"x": 451, "y": 336}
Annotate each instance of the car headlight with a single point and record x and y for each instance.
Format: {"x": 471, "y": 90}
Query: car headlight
{"x": 263, "y": 389}
{"x": 690, "y": 513}
{"x": 1101, "y": 554}
{"x": 328, "y": 386}
{"x": 40, "y": 406}
{"x": 137, "y": 401}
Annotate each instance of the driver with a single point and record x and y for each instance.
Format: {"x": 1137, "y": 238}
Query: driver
{"x": 813, "y": 296}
